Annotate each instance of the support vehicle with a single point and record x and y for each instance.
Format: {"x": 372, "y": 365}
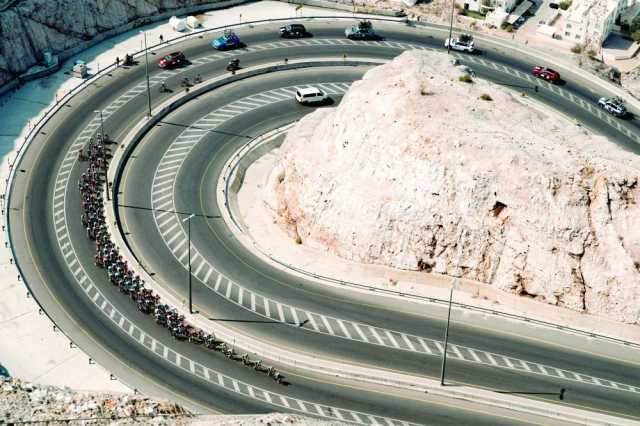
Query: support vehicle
{"x": 545, "y": 73}
{"x": 172, "y": 60}
{"x": 293, "y": 31}
{"x": 228, "y": 40}
{"x": 364, "y": 31}
{"x": 309, "y": 95}
{"x": 464, "y": 43}
{"x": 614, "y": 106}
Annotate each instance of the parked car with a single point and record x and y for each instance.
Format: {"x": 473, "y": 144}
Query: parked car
{"x": 173, "y": 59}
{"x": 614, "y": 106}
{"x": 310, "y": 95}
{"x": 464, "y": 43}
{"x": 364, "y": 31}
{"x": 545, "y": 73}
{"x": 554, "y": 5}
{"x": 293, "y": 31}
{"x": 228, "y": 40}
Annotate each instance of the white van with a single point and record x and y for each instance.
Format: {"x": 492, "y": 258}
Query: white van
{"x": 310, "y": 95}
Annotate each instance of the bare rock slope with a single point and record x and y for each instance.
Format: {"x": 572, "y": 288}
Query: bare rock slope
{"x": 414, "y": 170}
{"x": 28, "y": 28}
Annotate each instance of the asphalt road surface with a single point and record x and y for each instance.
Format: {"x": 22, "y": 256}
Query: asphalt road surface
{"x": 37, "y": 207}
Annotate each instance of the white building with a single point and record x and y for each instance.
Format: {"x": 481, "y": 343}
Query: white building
{"x": 485, "y": 6}
{"x": 589, "y": 22}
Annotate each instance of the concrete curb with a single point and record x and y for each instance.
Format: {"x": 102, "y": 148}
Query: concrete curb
{"x": 298, "y": 360}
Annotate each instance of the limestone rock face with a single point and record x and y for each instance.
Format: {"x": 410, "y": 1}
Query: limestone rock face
{"x": 28, "y": 28}
{"x": 414, "y": 170}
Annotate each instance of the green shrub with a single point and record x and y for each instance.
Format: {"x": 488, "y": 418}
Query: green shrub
{"x": 507, "y": 27}
{"x": 565, "y": 4}
{"x": 576, "y": 48}
{"x": 635, "y": 35}
{"x": 486, "y": 97}
{"x": 465, "y": 78}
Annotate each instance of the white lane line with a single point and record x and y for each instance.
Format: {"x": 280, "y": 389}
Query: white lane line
{"x": 360, "y": 333}
{"x": 326, "y": 324}
{"x": 426, "y": 347}
{"x": 207, "y": 275}
{"x": 280, "y": 313}
{"x": 376, "y": 335}
{"x": 408, "y": 342}
{"x": 344, "y": 329}
{"x": 218, "y": 280}
{"x": 392, "y": 339}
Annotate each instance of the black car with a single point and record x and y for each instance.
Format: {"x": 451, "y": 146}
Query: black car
{"x": 293, "y": 31}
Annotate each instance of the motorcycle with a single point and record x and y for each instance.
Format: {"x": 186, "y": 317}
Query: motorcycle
{"x": 233, "y": 65}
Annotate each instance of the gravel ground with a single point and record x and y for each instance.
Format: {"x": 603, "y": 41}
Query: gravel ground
{"x": 23, "y": 402}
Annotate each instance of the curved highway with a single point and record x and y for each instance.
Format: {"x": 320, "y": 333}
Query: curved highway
{"x": 176, "y": 167}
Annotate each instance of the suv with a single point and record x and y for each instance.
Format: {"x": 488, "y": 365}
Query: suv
{"x": 364, "y": 31}
{"x": 546, "y": 73}
{"x": 310, "y": 95}
{"x": 293, "y": 31}
{"x": 229, "y": 40}
{"x": 173, "y": 59}
{"x": 614, "y": 106}
{"x": 464, "y": 43}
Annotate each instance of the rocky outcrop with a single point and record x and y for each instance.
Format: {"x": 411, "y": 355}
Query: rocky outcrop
{"x": 28, "y": 28}
{"x": 415, "y": 170}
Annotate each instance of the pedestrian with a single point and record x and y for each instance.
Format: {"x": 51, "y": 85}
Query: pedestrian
{"x": 117, "y": 61}
{"x": 526, "y": 42}
{"x": 161, "y": 39}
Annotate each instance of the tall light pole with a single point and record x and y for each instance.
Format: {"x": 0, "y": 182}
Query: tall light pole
{"x": 453, "y": 2}
{"x": 446, "y": 337}
{"x": 146, "y": 67}
{"x": 188, "y": 220}
{"x": 104, "y": 153}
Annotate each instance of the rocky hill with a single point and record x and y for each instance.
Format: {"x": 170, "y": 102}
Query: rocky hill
{"x": 417, "y": 169}
{"x": 28, "y": 28}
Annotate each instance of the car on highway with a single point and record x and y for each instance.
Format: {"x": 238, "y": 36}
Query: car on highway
{"x": 464, "y": 43}
{"x": 228, "y": 40}
{"x": 173, "y": 59}
{"x": 364, "y": 31}
{"x": 614, "y": 106}
{"x": 310, "y": 95}
{"x": 545, "y": 73}
{"x": 293, "y": 31}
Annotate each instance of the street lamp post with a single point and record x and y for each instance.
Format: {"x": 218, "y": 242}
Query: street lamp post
{"x": 146, "y": 67}
{"x": 104, "y": 153}
{"x": 453, "y": 2}
{"x": 188, "y": 220}
{"x": 446, "y": 338}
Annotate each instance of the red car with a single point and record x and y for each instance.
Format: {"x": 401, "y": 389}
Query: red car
{"x": 173, "y": 59}
{"x": 546, "y": 73}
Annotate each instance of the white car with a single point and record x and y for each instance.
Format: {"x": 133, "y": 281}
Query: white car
{"x": 309, "y": 95}
{"x": 614, "y": 106}
{"x": 464, "y": 43}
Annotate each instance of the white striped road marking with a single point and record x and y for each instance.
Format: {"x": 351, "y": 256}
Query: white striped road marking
{"x": 391, "y": 338}
{"x": 326, "y": 324}
{"x": 373, "y": 331}
{"x": 218, "y": 280}
{"x": 208, "y": 274}
{"x": 266, "y": 307}
{"x": 199, "y": 268}
{"x": 344, "y": 329}
{"x": 280, "y": 313}
{"x": 171, "y": 228}
{"x": 360, "y": 333}
{"x": 408, "y": 342}
{"x": 426, "y": 347}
